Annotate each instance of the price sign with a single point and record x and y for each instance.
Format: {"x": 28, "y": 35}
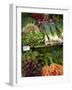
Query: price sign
{"x": 26, "y": 48}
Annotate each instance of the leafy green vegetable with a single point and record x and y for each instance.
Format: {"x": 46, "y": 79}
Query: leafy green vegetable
{"x": 59, "y": 29}
{"x": 52, "y": 30}
{"x": 33, "y": 38}
{"x": 46, "y": 56}
{"x": 26, "y": 18}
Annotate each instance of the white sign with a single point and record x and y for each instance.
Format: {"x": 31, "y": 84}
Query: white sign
{"x": 26, "y": 48}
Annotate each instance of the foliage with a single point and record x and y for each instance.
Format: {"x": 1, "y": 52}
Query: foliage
{"x": 46, "y": 56}
{"x": 33, "y": 38}
{"x": 52, "y": 30}
{"x": 26, "y": 18}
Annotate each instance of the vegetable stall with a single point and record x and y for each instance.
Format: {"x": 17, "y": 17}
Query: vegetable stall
{"x": 43, "y": 33}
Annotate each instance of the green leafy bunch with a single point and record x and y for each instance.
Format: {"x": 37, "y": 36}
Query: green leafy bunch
{"x": 45, "y": 56}
{"x": 33, "y": 38}
{"x": 52, "y": 30}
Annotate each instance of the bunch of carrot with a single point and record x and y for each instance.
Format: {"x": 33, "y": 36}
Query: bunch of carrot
{"x": 53, "y": 69}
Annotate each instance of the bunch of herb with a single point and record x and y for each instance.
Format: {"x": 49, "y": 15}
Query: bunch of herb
{"x": 33, "y": 38}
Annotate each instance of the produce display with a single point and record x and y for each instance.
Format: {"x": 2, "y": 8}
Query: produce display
{"x": 43, "y": 33}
